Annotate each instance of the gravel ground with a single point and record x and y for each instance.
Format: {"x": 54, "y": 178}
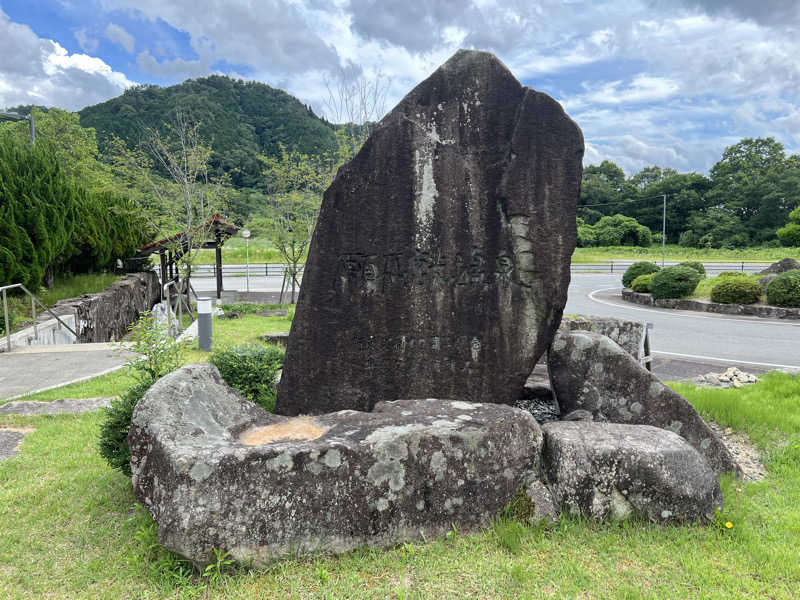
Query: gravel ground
{"x": 748, "y": 457}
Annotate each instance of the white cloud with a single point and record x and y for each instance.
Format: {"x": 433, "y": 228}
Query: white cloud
{"x": 40, "y": 71}
{"x": 87, "y": 43}
{"x": 118, "y": 34}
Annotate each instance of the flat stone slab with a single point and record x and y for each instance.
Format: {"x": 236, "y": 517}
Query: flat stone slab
{"x": 56, "y": 407}
{"x": 610, "y": 471}
{"x": 10, "y": 439}
{"x": 217, "y": 472}
{"x": 592, "y": 373}
{"x": 441, "y": 259}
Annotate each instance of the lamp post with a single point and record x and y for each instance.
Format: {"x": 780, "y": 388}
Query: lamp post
{"x": 12, "y": 116}
{"x": 246, "y": 236}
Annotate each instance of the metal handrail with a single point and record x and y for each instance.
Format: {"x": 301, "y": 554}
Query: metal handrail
{"x": 176, "y": 283}
{"x": 34, "y": 299}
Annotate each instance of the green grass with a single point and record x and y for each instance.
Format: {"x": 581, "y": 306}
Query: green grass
{"x": 63, "y": 287}
{"x": 703, "y": 289}
{"x": 674, "y": 252}
{"x": 72, "y": 529}
{"x": 233, "y": 252}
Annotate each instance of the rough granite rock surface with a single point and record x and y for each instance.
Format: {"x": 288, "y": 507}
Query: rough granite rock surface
{"x": 590, "y": 372}
{"x": 216, "y": 471}
{"x": 440, "y": 262}
{"x": 612, "y": 471}
{"x": 781, "y": 266}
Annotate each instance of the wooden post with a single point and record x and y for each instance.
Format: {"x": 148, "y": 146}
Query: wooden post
{"x": 218, "y": 253}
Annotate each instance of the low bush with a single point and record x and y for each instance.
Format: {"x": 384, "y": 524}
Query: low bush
{"x": 155, "y": 355}
{"x": 636, "y": 269}
{"x": 250, "y": 369}
{"x": 11, "y": 319}
{"x": 674, "y": 282}
{"x": 736, "y": 290}
{"x": 732, "y": 274}
{"x": 784, "y": 290}
{"x": 642, "y": 283}
{"x": 697, "y": 266}
{"x": 114, "y": 429}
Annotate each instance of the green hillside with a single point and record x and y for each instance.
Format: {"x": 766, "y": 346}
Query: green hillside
{"x": 240, "y": 119}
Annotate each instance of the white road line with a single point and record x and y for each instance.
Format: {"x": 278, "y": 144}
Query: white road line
{"x": 682, "y": 313}
{"x": 727, "y": 360}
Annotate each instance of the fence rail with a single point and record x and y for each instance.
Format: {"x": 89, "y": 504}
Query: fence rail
{"x": 612, "y": 266}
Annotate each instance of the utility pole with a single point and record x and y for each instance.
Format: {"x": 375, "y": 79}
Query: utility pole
{"x": 664, "y": 232}
{"x": 12, "y": 116}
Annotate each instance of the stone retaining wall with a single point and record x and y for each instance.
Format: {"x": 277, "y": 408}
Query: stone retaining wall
{"x": 105, "y": 316}
{"x": 758, "y": 310}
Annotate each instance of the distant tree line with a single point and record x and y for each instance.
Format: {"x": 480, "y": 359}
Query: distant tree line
{"x": 746, "y": 198}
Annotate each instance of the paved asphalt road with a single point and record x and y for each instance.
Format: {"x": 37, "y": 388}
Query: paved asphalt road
{"x": 750, "y": 343}
{"x": 684, "y": 343}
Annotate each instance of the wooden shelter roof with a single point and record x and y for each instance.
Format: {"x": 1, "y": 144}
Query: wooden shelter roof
{"x": 214, "y": 232}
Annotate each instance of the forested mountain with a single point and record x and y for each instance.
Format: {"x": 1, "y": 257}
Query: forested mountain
{"x": 239, "y": 119}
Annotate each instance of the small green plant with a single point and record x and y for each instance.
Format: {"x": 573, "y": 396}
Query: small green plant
{"x": 636, "y": 269}
{"x": 156, "y": 355}
{"x": 250, "y": 369}
{"x": 736, "y": 290}
{"x": 156, "y": 352}
{"x": 694, "y": 264}
{"x": 642, "y": 283}
{"x": 509, "y": 534}
{"x": 674, "y": 282}
{"x": 451, "y": 535}
{"x": 518, "y": 574}
{"x": 219, "y": 567}
{"x": 784, "y": 290}
{"x": 323, "y": 575}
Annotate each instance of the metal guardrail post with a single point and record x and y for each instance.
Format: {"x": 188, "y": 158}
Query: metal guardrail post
{"x": 33, "y": 316}
{"x": 6, "y": 324}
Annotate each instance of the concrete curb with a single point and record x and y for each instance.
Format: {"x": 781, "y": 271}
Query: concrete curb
{"x": 757, "y": 310}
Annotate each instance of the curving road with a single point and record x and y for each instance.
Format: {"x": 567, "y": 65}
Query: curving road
{"x": 681, "y": 338}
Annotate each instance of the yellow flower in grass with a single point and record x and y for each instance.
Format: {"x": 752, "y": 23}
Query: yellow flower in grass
{"x": 728, "y": 525}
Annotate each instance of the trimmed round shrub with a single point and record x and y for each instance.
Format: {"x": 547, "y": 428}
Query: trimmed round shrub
{"x": 114, "y": 430}
{"x": 784, "y": 290}
{"x": 250, "y": 369}
{"x": 736, "y": 290}
{"x": 674, "y": 282}
{"x": 642, "y": 283}
{"x": 636, "y": 269}
{"x": 697, "y": 266}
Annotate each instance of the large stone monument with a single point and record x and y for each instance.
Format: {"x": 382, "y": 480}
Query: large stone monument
{"x": 440, "y": 262}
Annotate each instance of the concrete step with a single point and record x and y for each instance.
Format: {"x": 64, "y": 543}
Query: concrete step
{"x": 59, "y": 348}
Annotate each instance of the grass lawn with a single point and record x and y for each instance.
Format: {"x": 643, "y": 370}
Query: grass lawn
{"x": 674, "y": 252}
{"x": 233, "y": 252}
{"x": 261, "y": 251}
{"x": 71, "y": 527}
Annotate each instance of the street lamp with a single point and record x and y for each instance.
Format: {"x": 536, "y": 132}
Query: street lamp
{"x": 12, "y": 116}
{"x": 246, "y": 236}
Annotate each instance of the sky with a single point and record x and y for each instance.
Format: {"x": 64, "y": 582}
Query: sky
{"x": 649, "y": 82}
